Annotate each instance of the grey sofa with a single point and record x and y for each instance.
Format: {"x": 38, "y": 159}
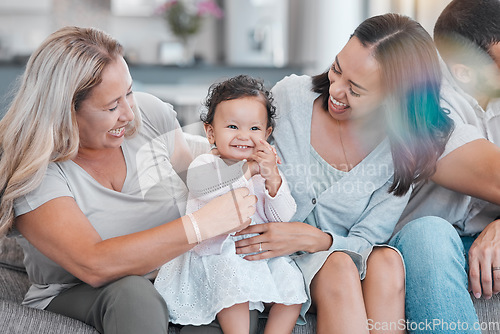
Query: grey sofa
{"x": 17, "y": 319}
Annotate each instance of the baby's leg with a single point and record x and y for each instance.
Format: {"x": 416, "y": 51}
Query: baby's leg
{"x": 282, "y": 318}
{"x": 235, "y": 319}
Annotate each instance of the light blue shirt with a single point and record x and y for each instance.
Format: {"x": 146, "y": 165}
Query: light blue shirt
{"x": 357, "y": 209}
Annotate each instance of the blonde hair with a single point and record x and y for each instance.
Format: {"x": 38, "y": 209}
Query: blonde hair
{"x": 40, "y": 126}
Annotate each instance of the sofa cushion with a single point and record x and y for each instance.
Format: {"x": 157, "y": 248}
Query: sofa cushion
{"x": 11, "y": 254}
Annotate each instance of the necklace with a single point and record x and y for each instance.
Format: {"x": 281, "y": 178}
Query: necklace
{"x": 343, "y": 148}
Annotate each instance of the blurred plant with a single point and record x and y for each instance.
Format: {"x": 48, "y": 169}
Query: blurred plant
{"x": 184, "y": 17}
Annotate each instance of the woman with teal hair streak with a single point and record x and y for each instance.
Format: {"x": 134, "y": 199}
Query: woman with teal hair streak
{"x": 354, "y": 140}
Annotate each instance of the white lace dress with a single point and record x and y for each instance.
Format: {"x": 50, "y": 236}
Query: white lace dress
{"x": 200, "y": 283}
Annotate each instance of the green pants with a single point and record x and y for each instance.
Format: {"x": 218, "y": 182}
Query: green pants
{"x": 130, "y": 305}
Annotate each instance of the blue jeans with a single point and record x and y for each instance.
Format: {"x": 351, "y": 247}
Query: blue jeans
{"x": 437, "y": 299}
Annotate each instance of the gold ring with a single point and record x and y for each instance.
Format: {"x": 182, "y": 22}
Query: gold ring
{"x": 260, "y": 248}
{"x": 495, "y": 268}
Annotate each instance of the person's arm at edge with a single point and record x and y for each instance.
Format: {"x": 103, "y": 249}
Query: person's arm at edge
{"x": 472, "y": 169}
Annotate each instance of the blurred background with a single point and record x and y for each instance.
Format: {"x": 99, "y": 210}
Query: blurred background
{"x": 268, "y": 39}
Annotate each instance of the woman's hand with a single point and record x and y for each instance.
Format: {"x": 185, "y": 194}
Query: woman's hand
{"x": 277, "y": 239}
{"x": 228, "y": 213}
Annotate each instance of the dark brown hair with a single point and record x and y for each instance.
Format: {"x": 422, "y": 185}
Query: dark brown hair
{"x": 235, "y": 88}
{"x": 466, "y": 29}
{"x": 418, "y": 128}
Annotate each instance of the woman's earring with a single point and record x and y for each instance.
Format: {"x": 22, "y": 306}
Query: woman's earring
{"x": 212, "y": 146}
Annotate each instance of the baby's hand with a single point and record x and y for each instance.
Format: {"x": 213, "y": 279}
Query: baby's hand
{"x": 267, "y": 160}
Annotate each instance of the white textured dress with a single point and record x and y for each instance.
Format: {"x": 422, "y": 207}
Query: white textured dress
{"x": 200, "y": 283}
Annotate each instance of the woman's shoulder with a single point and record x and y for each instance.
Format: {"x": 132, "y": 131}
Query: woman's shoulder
{"x": 293, "y": 95}
{"x": 55, "y": 183}
{"x": 293, "y": 81}
{"x": 293, "y": 90}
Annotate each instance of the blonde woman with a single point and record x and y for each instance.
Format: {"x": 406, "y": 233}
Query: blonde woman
{"x": 90, "y": 186}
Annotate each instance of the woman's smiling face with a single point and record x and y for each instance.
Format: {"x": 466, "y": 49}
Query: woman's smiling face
{"x": 103, "y": 115}
{"x": 355, "y": 82}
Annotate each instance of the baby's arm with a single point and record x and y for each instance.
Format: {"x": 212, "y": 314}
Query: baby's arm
{"x": 281, "y": 207}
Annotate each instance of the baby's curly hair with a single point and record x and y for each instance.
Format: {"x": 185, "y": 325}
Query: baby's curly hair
{"x": 235, "y": 88}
